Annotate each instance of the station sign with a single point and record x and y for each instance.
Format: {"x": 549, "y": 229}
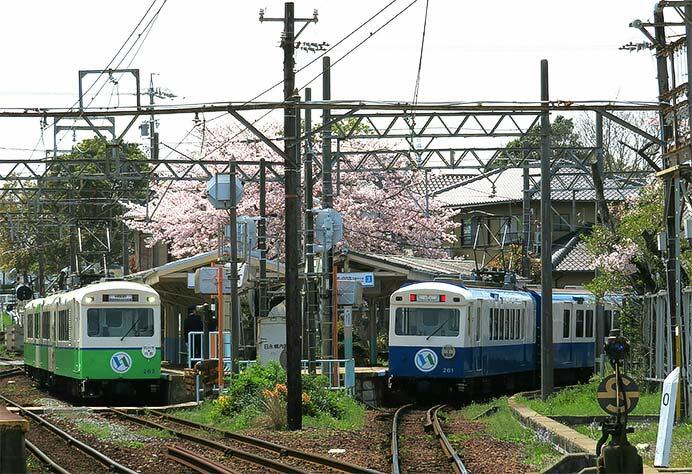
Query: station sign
{"x": 367, "y": 279}
{"x": 608, "y": 395}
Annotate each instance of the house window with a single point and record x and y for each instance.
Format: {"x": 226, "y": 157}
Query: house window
{"x": 561, "y": 222}
{"x": 466, "y": 232}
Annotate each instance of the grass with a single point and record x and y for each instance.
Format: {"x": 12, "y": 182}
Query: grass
{"x": 502, "y": 426}
{"x": 581, "y": 400}
{"x": 646, "y": 433}
{"x": 155, "y": 433}
{"x": 98, "y": 431}
{"x": 251, "y": 417}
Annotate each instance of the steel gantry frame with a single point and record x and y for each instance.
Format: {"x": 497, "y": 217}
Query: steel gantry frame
{"x": 341, "y": 120}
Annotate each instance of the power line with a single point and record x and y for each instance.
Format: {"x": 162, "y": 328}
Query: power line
{"x": 420, "y": 59}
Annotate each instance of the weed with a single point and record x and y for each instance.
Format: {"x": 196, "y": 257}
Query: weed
{"x": 155, "y": 433}
{"x": 99, "y": 431}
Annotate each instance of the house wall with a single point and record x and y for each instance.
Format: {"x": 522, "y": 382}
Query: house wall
{"x": 493, "y": 221}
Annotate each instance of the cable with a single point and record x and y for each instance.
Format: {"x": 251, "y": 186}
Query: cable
{"x": 119, "y": 50}
{"x": 373, "y": 33}
{"x": 420, "y": 59}
{"x": 331, "y": 48}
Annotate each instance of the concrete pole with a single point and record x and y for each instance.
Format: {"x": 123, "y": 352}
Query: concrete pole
{"x": 309, "y": 335}
{"x": 327, "y": 201}
{"x": 600, "y": 322}
{"x": 262, "y": 240}
{"x": 233, "y": 277}
{"x": 526, "y": 218}
{"x": 546, "y": 243}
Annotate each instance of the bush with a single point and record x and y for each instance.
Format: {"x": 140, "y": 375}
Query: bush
{"x": 246, "y": 388}
{"x": 263, "y": 388}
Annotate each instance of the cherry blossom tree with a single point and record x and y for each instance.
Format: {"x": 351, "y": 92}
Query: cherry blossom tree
{"x": 383, "y": 212}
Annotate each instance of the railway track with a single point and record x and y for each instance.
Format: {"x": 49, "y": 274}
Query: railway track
{"x": 254, "y": 451}
{"x": 49, "y": 429}
{"x": 429, "y": 422}
{"x": 196, "y": 462}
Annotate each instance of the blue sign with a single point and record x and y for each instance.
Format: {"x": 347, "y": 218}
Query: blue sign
{"x": 367, "y": 279}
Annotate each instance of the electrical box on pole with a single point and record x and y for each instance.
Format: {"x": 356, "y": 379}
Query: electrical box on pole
{"x": 329, "y": 228}
{"x": 218, "y": 191}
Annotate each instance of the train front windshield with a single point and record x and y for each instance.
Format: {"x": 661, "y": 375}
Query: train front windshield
{"x": 120, "y": 322}
{"x": 427, "y": 322}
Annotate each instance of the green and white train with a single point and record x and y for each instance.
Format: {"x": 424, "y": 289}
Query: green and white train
{"x": 101, "y": 339}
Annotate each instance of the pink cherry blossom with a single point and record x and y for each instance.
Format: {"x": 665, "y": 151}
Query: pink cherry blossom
{"x": 383, "y": 212}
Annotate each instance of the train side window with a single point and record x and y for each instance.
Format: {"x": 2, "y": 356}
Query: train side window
{"x": 478, "y": 324}
{"x": 607, "y": 321}
{"x": 565, "y": 323}
{"x": 468, "y": 324}
{"x": 63, "y": 325}
{"x": 37, "y": 325}
{"x": 579, "y": 327}
{"x": 522, "y": 323}
{"x": 496, "y": 322}
{"x": 589, "y": 323}
{"x": 507, "y": 322}
{"x": 501, "y": 334}
{"x": 616, "y": 319}
{"x": 512, "y": 317}
{"x": 29, "y": 325}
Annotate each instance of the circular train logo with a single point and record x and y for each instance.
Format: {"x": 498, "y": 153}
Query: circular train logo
{"x": 121, "y": 362}
{"x": 425, "y": 360}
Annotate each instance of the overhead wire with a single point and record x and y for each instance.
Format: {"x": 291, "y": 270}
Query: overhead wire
{"x": 277, "y": 84}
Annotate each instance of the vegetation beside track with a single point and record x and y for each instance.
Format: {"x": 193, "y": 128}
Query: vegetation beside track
{"x": 581, "y": 400}
{"x": 502, "y": 426}
{"x": 645, "y": 436}
{"x": 258, "y": 397}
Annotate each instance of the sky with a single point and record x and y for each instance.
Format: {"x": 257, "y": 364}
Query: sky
{"x": 217, "y": 50}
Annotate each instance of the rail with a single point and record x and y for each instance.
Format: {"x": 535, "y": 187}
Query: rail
{"x": 44, "y": 458}
{"x": 102, "y": 458}
{"x": 450, "y": 452}
{"x": 196, "y": 462}
{"x": 395, "y": 438}
{"x": 208, "y": 443}
{"x": 260, "y": 443}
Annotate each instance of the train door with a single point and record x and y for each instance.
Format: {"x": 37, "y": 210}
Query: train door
{"x": 475, "y": 337}
{"x": 563, "y": 334}
{"x": 75, "y": 333}
{"x": 51, "y": 341}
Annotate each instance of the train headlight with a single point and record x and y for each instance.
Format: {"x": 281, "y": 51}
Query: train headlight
{"x": 151, "y": 299}
{"x": 89, "y": 299}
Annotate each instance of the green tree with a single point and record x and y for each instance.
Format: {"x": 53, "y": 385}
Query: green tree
{"x": 82, "y": 187}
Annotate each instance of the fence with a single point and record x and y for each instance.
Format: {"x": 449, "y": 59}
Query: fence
{"x": 341, "y": 373}
{"x": 657, "y": 332}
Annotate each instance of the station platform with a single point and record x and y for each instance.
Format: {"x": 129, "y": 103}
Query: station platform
{"x": 370, "y": 384}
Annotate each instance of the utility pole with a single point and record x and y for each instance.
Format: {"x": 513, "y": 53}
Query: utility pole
{"x": 233, "y": 277}
{"x": 600, "y": 323}
{"x": 262, "y": 240}
{"x": 309, "y": 337}
{"x": 546, "y": 243}
{"x": 292, "y": 216}
{"x": 526, "y": 223}
{"x": 326, "y": 319}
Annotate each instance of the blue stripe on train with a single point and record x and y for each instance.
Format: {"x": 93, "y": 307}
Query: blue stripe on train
{"x": 483, "y": 361}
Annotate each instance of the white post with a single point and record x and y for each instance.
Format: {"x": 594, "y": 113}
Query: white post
{"x": 666, "y": 419}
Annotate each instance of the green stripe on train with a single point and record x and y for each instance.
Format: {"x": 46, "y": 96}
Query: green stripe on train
{"x": 96, "y": 364}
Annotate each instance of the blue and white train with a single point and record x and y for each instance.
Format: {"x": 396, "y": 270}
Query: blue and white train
{"x": 486, "y": 339}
